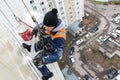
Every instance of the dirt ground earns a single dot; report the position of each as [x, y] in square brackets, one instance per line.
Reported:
[96, 57]
[64, 61]
[88, 21]
[93, 56]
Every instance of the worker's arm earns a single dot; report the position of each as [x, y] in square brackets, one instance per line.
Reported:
[58, 45]
[35, 29]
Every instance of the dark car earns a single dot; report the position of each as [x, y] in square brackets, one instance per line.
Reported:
[72, 49]
[87, 77]
[118, 28]
[93, 29]
[112, 73]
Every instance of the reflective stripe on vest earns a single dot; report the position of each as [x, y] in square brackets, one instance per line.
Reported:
[61, 33]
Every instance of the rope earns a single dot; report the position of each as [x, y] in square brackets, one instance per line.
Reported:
[19, 20]
[16, 18]
[33, 18]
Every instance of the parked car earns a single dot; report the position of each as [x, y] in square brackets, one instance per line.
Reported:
[79, 78]
[78, 42]
[117, 77]
[118, 31]
[88, 36]
[112, 73]
[112, 34]
[93, 29]
[72, 49]
[118, 28]
[102, 38]
[72, 59]
[87, 77]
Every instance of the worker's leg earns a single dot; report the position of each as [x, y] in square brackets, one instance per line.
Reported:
[26, 46]
[53, 57]
[45, 72]
[37, 46]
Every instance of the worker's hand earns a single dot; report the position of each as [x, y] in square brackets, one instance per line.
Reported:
[34, 32]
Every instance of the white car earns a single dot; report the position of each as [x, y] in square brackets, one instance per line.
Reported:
[117, 30]
[117, 77]
[102, 38]
[112, 34]
[88, 36]
[78, 42]
[72, 59]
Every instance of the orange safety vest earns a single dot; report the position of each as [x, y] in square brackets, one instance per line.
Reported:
[60, 34]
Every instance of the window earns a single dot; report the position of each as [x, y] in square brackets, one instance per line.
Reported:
[44, 9]
[42, 3]
[63, 17]
[77, 3]
[69, 7]
[61, 8]
[31, 1]
[34, 8]
[50, 4]
[62, 13]
[60, 2]
[70, 12]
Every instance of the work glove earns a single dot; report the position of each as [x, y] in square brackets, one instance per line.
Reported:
[38, 59]
[35, 30]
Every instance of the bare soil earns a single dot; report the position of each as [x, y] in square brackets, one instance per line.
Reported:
[97, 57]
[64, 61]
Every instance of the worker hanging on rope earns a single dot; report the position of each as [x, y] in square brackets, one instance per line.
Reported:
[53, 43]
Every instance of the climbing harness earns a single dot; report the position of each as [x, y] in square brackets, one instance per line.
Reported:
[47, 48]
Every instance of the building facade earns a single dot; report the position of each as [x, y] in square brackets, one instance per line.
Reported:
[69, 11]
[74, 10]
